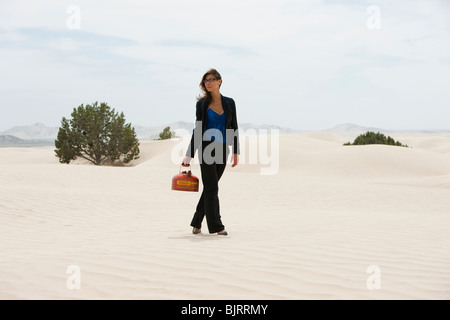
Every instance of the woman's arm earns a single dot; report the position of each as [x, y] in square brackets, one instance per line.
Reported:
[234, 125]
[196, 135]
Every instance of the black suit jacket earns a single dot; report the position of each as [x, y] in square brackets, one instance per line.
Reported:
[232, 134]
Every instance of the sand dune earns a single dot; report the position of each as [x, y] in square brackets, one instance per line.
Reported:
[310, 231]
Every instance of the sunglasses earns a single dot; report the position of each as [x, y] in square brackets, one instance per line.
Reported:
[210, 80]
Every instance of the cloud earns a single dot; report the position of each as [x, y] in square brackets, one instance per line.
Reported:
[287, 62]
[181, 43]
[56, 42]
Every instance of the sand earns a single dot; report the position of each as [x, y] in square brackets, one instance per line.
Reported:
[316, 229]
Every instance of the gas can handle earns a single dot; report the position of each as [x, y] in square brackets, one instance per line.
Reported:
[189, 173]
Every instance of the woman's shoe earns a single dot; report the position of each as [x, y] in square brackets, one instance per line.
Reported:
[224, 233]
[196, 231]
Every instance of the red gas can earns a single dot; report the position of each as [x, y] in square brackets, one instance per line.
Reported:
[185, 181]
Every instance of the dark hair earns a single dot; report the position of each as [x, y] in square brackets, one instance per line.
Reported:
[206, 94]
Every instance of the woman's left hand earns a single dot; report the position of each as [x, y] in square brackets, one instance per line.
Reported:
[235, 160]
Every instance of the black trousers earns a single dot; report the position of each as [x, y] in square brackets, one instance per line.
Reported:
[212, 164]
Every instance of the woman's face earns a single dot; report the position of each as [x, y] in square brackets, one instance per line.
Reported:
[212, 83]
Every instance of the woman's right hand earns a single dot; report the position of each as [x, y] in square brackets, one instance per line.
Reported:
[186, 161]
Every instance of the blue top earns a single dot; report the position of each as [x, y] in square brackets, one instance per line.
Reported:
[215, 126]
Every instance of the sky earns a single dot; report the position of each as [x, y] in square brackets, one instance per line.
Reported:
[305, 65]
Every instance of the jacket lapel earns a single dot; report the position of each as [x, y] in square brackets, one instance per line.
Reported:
[204, 109]
[227, 109]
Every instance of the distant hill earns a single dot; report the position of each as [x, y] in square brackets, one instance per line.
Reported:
[349, 129]
[353, 130]
[9, 140]
[151, 133]
[181, 128]
[244, 127]
[39, 131]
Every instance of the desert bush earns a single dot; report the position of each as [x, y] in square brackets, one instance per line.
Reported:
[374, 138]
[166, 134]
[98, 134]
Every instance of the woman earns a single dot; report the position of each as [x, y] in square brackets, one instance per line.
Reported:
[215, 129]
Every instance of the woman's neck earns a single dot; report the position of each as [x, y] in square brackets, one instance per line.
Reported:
[215, 96]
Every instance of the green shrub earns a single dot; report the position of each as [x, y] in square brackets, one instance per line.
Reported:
[375, 138]
[98, 134]
[166, 134]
